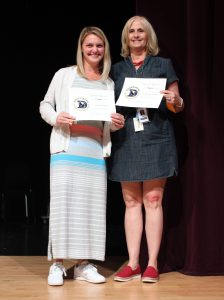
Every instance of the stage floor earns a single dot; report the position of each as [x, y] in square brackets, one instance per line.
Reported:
[25, 277]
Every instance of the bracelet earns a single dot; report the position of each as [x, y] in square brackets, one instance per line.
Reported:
[181, 102]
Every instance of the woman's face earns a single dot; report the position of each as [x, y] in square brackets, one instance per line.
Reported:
[93, 49]
[137, 36]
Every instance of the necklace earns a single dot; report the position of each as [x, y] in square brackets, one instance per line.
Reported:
[138, 64]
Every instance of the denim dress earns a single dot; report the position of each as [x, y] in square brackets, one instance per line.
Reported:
[150, 153]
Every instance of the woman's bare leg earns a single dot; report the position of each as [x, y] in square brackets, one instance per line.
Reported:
[133, 222]
[152, 199]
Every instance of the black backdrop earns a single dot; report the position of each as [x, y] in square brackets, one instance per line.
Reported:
[40, 37]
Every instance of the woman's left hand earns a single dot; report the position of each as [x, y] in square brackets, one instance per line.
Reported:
[118, 120]
[173, 100]
[171, 97]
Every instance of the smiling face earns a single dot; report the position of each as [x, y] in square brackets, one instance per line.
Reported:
[137, 37]
[93, 49]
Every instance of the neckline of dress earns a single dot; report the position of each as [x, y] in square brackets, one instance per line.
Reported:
[138, 64]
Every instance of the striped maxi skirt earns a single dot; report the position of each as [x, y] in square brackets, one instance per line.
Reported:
[78, 182]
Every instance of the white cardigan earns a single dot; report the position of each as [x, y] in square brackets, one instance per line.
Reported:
[56, 101]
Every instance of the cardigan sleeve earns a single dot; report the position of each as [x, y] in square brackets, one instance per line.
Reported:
[47, 105]
[106, 140]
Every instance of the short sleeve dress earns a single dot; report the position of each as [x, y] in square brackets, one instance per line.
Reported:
[150, 153]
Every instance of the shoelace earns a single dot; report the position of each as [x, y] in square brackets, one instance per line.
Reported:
[61, 267]
[92, 266]
[88, 266]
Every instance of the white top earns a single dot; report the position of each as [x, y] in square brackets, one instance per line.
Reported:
[56, 101]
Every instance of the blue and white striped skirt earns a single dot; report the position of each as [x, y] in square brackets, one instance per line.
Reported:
[78, 182]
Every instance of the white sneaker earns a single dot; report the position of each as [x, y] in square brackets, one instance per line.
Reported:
[56, 272]
[88, 272]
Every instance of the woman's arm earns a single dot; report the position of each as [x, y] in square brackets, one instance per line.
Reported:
[173, 100]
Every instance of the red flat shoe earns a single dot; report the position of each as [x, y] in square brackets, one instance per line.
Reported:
[127, 274]
[150, 275]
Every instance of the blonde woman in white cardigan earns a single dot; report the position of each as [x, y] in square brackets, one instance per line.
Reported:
[78, 180]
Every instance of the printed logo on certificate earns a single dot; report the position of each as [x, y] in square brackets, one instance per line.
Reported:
[80, 104]
[132, 92]
[89, 104]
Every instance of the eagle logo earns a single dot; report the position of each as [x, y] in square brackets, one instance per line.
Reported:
[132, 92]
[81, 103]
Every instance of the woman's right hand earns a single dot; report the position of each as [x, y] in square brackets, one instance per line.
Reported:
[118, 120]
[65, 118]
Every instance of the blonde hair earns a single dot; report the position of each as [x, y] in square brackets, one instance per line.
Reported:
[152, 47]
[105, 63]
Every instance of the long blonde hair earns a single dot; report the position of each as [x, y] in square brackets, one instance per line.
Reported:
[152, 47]
[105, 63]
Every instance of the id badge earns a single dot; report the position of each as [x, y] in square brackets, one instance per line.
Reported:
[142, 115]
[138, 125]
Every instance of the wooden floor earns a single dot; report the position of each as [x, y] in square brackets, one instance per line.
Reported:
[25, 277]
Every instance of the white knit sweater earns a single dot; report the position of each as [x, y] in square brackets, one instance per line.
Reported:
[56, 101]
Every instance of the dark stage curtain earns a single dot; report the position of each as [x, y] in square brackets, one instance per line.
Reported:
[191, 33]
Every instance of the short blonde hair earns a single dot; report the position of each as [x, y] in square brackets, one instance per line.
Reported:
[105, 64]
[152, 47]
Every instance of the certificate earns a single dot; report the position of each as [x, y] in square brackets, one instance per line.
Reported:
[142, 92]
[90, 104]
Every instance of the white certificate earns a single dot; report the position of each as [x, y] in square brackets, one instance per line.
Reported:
[142, 92]
[90, 104]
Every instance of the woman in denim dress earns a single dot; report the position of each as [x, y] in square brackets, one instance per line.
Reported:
[144, 150]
